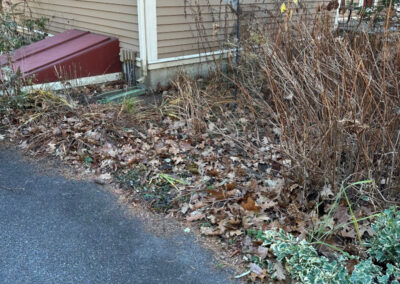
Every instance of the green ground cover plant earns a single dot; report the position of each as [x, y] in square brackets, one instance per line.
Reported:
[305, 264]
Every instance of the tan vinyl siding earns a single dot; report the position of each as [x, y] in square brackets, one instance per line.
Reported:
[116, 18]
[178, 29]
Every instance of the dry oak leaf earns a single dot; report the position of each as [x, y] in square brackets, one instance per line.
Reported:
[342, 215]
[348, 233]
[104, 179]
[199, 205]
[209, 231]
[266, 203]
[241, 172]
[326, 192]
[235, 233]
[218, 195]
[250, 205]
[367, 229]
[212, 219]
[280, 271]
[255, 268]
[185, 146]
[262, 252]
[213, 173]
[195, 217]
[185, 208]
[246, 222]
[351, 263]
[257, 272]
[294, 211]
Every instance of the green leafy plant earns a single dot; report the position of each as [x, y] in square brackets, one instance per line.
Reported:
[130, 105]
[385, 247]
[170, 180]
[302, 260]
[16, 30]
[365, 272]
[88, 161]
[306, 265]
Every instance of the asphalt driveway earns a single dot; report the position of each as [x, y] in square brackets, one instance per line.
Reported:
[57, 230]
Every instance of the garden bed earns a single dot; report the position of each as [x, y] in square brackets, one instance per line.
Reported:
[305, 158]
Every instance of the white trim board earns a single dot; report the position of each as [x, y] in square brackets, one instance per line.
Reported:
[142, 35]
[187, 59]
[56, 86]
[151, 30]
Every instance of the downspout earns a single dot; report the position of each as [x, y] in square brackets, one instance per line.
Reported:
[142, 38]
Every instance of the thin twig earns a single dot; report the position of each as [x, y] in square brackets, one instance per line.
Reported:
[11, 188]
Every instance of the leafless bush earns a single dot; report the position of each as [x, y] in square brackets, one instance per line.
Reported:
[334, 101]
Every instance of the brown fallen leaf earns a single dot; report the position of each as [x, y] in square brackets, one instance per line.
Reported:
[265, 203]
[326, 192]
[213, 173]
[230, 186]
[103, 179]
[262, 252]
[199, 205]
[235, 233]
[280, 272]
[212, 219]
[367, 229]
[246, 222]
[351, 263]
[218, 195]
[250, 205]
[193, 168]
[119, 191]
[255, 268]
[348, 233]
[241, 172]
[207, 231]
[195, 217]
[185, 146]
[342, 215]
